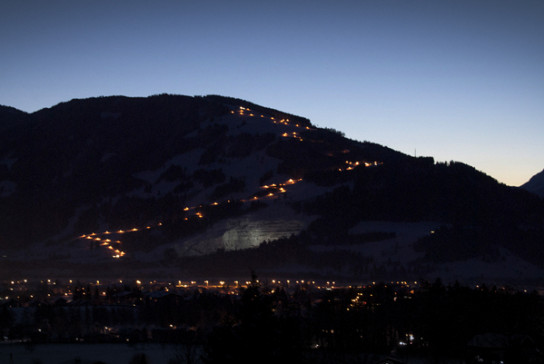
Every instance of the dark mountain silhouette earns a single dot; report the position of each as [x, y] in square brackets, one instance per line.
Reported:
[197, 186]
[535, 184]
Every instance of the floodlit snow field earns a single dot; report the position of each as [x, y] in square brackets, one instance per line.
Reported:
[86, 353]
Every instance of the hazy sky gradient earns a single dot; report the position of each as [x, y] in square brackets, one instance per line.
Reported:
[456, 80]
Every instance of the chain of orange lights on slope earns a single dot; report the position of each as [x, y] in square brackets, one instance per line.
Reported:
[274, 190]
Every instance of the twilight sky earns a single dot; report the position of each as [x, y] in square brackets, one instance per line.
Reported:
[453, 79]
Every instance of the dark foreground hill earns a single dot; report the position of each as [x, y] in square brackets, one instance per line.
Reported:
[176, 186]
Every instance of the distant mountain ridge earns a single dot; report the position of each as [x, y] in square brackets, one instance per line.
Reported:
[173, 185]
[535, 184]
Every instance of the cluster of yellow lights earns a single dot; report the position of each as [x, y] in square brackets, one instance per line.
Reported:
[358, 300]
[274, 190]
[113, 246]
[246, 111]
[293, 135]
[351, 165]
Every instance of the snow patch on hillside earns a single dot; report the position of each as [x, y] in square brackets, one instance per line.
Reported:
[249, 169]
[250, 125]
[248, 231]
[188, 160]
[401, 247]
[507, 268]
[388, 255]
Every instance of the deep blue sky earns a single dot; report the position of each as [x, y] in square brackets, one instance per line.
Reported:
[456, 80]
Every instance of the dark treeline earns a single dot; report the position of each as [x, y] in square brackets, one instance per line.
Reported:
[435, 323]
[269, 322]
